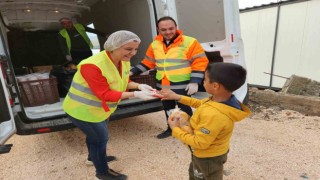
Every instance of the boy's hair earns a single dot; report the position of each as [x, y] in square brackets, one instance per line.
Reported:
[164, 18]
[231, 76]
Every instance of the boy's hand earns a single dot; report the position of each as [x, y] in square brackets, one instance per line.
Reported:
[184, 119]
[169, 95]
[173, 122]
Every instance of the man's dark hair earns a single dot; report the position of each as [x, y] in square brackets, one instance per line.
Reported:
[231, 76]
[164, 18]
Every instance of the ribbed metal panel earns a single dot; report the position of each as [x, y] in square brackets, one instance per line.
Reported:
[244, 4]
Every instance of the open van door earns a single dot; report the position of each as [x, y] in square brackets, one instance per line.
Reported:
[7, 125]
[216, 25]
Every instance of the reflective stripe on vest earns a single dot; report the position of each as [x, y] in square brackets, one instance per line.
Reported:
[81, 30]
[158, 85]
[184, 65]
[87, 101]
[90, 102]
[174, 64]
[197, 56]
[80, 101]
[150, 59]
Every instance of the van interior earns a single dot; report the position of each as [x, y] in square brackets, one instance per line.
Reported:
[31, 30]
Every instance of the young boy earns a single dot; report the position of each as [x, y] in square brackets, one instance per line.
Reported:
[213, 120]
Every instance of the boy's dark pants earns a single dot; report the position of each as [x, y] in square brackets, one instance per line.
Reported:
[207, 168]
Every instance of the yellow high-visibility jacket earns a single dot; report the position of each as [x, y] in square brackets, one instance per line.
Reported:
[81, 103]
[81, 31]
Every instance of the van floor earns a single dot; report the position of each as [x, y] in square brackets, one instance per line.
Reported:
[271, 144]
[46, 110]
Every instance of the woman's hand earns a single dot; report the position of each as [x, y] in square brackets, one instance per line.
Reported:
[169, 95]
[145, 95]
[145, 87]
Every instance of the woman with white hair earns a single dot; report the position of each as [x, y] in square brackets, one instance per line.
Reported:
[97, 87]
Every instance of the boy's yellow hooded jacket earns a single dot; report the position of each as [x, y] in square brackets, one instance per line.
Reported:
[213, 125]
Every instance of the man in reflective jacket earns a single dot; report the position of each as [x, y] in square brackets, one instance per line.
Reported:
[180, 62]
[74, 41]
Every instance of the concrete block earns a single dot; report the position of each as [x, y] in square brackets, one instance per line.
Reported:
[301, 86]
[307, 105]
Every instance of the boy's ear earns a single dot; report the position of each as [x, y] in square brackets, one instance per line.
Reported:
[215, 85]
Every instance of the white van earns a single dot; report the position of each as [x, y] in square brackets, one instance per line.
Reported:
[28, 38]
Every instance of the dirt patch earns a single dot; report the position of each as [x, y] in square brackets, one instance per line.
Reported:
[270, 144]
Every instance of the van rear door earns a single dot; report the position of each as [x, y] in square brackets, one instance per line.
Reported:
[7, 125]
[215, 24]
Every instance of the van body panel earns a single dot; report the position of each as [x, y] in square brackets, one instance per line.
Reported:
[47, 125]
[7, 124]
[216, 33]
[202, 21]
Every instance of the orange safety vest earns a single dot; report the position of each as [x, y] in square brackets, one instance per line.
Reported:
[174, 64]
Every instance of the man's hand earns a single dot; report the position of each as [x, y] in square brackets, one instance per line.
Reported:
[145, 87]
[145, 95]
[68, 58]
[192, 88]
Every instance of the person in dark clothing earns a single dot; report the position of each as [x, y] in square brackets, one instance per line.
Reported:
[74, 42]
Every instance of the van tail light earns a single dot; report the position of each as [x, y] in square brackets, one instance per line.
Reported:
[232, 38]
[11, 101]
[43, 130]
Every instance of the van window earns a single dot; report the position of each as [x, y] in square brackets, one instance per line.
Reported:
[205, 22]
[94, 39]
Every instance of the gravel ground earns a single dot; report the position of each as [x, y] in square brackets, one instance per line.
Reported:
[271, 144]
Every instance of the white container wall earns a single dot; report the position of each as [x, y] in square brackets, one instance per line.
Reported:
[297, 44]
[258, 29]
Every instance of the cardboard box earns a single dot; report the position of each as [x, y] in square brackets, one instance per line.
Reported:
[41, 69]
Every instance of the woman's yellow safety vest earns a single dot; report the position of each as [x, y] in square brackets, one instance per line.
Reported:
[175, 65]
[81, 103]
[81, 31]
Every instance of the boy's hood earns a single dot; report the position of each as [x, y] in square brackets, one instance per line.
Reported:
[233, 113]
